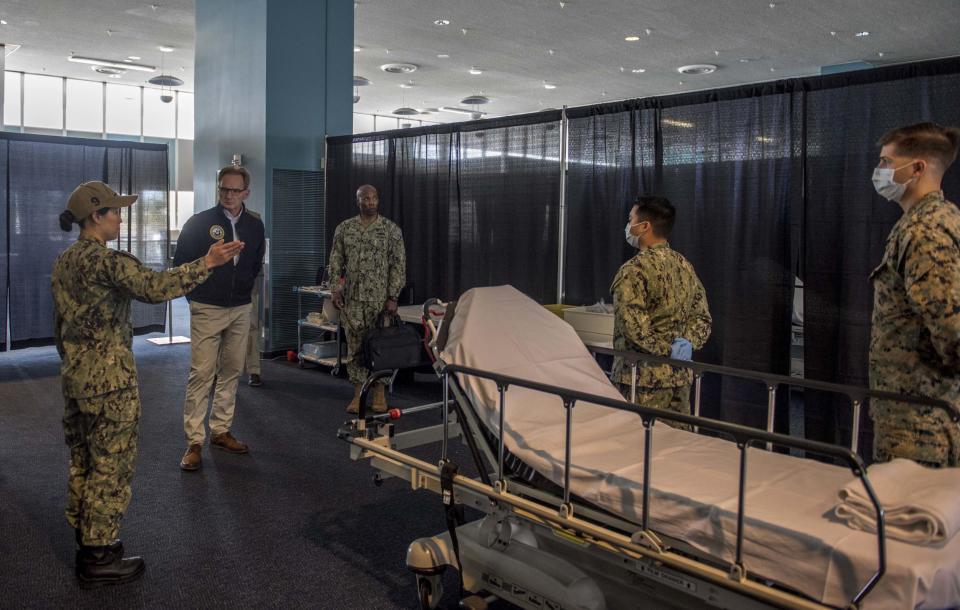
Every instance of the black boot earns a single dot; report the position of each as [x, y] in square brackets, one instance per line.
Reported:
[98, 566]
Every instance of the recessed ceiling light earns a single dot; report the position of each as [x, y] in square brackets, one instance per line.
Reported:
[862, 34]
[744, 60]
[3, 22]
[551, 51]
[165, 49]
[632, 38]
[695, 69]
[399, 68]
[833, 32]
[357, 49]
[441, 22]
[475, 71]
[880, 54]
[133, 57]
[773, 69]
[443, 56]
[638, 70]
[547, 85]
[647, 31]
[107, 70]
[406, 85]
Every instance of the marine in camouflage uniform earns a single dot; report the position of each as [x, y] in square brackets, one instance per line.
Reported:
[915, 334]
[371, 259]
[92, 288]
[657, 298]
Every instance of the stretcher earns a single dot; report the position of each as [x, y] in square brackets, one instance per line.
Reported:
[592, 502]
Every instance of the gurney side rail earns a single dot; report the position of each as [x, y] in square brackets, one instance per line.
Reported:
[743, 436]
[856, 395]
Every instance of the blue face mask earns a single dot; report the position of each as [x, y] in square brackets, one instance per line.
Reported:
[632, 239]
[886, 186]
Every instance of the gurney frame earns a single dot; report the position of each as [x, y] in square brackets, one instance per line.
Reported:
[374, 438]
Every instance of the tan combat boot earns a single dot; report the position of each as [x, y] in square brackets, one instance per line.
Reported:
[354, 406]
[379, 398]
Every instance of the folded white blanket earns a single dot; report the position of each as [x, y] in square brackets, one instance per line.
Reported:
[920, 503]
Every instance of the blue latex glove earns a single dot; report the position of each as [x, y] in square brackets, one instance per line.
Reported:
[681, 349]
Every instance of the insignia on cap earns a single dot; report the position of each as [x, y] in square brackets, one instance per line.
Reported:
[95, 200]
[216, 232]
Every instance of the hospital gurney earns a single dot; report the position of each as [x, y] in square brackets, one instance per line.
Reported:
[592, 503]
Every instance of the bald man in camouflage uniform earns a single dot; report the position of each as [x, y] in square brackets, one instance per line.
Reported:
[660, 308]
[915, 333]
[92, 287]
[368, 254]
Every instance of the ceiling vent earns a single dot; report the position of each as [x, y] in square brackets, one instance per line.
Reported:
[696, 69]
[399, 68]
[106, 70]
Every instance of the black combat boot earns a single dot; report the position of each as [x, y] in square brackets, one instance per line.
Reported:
[99, 566]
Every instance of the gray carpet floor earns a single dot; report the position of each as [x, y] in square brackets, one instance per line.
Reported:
[294, 524]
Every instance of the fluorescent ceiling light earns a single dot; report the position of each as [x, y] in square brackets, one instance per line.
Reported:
[456, 110]
[632, 38]
[677, 123]
[862, 34]
[549, 86]
[475, 71]
[165, 49]
[638, 70]
[443, 55]
[111, 64]
[441, 22]
[133, 57]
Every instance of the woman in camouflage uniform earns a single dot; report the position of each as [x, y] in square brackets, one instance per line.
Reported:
[92, 289]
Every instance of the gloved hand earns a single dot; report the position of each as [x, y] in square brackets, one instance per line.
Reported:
[681, 349]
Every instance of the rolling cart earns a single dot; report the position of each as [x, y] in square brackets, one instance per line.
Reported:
[326, 351]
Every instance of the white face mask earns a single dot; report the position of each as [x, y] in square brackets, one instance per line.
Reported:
[886, 186]
[632, 239]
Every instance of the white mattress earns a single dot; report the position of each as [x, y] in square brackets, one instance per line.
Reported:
[790, 536]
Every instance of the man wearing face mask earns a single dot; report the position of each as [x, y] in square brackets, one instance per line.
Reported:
[915, 331]
[660, 308]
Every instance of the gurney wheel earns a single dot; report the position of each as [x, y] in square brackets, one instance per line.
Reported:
[430, 591]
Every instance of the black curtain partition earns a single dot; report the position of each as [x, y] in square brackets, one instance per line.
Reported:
[770, 181]
[38, 174]
[477, 202]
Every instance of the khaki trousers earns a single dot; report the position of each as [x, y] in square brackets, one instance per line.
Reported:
[218, 337]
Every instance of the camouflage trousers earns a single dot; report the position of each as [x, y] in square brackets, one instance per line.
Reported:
[356, 318]
[670, 399]
[927, 437]
[102, 434]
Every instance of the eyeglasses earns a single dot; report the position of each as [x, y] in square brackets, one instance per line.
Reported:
[229, 191]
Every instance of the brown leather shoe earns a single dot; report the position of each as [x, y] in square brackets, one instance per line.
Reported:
[226, 442]
[192, 458]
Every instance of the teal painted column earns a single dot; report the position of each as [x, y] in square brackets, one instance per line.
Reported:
[272, 80]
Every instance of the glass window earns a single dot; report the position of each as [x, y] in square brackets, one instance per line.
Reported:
[184, 115]
[363, 123]
[11, 98]
[386, 123]
[84, 106]
[158, 116]
[42, 101]
[123, 109]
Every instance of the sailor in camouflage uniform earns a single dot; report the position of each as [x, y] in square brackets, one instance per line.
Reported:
[368, 253]
[92, 288]
[660, 308]
[915, 332]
